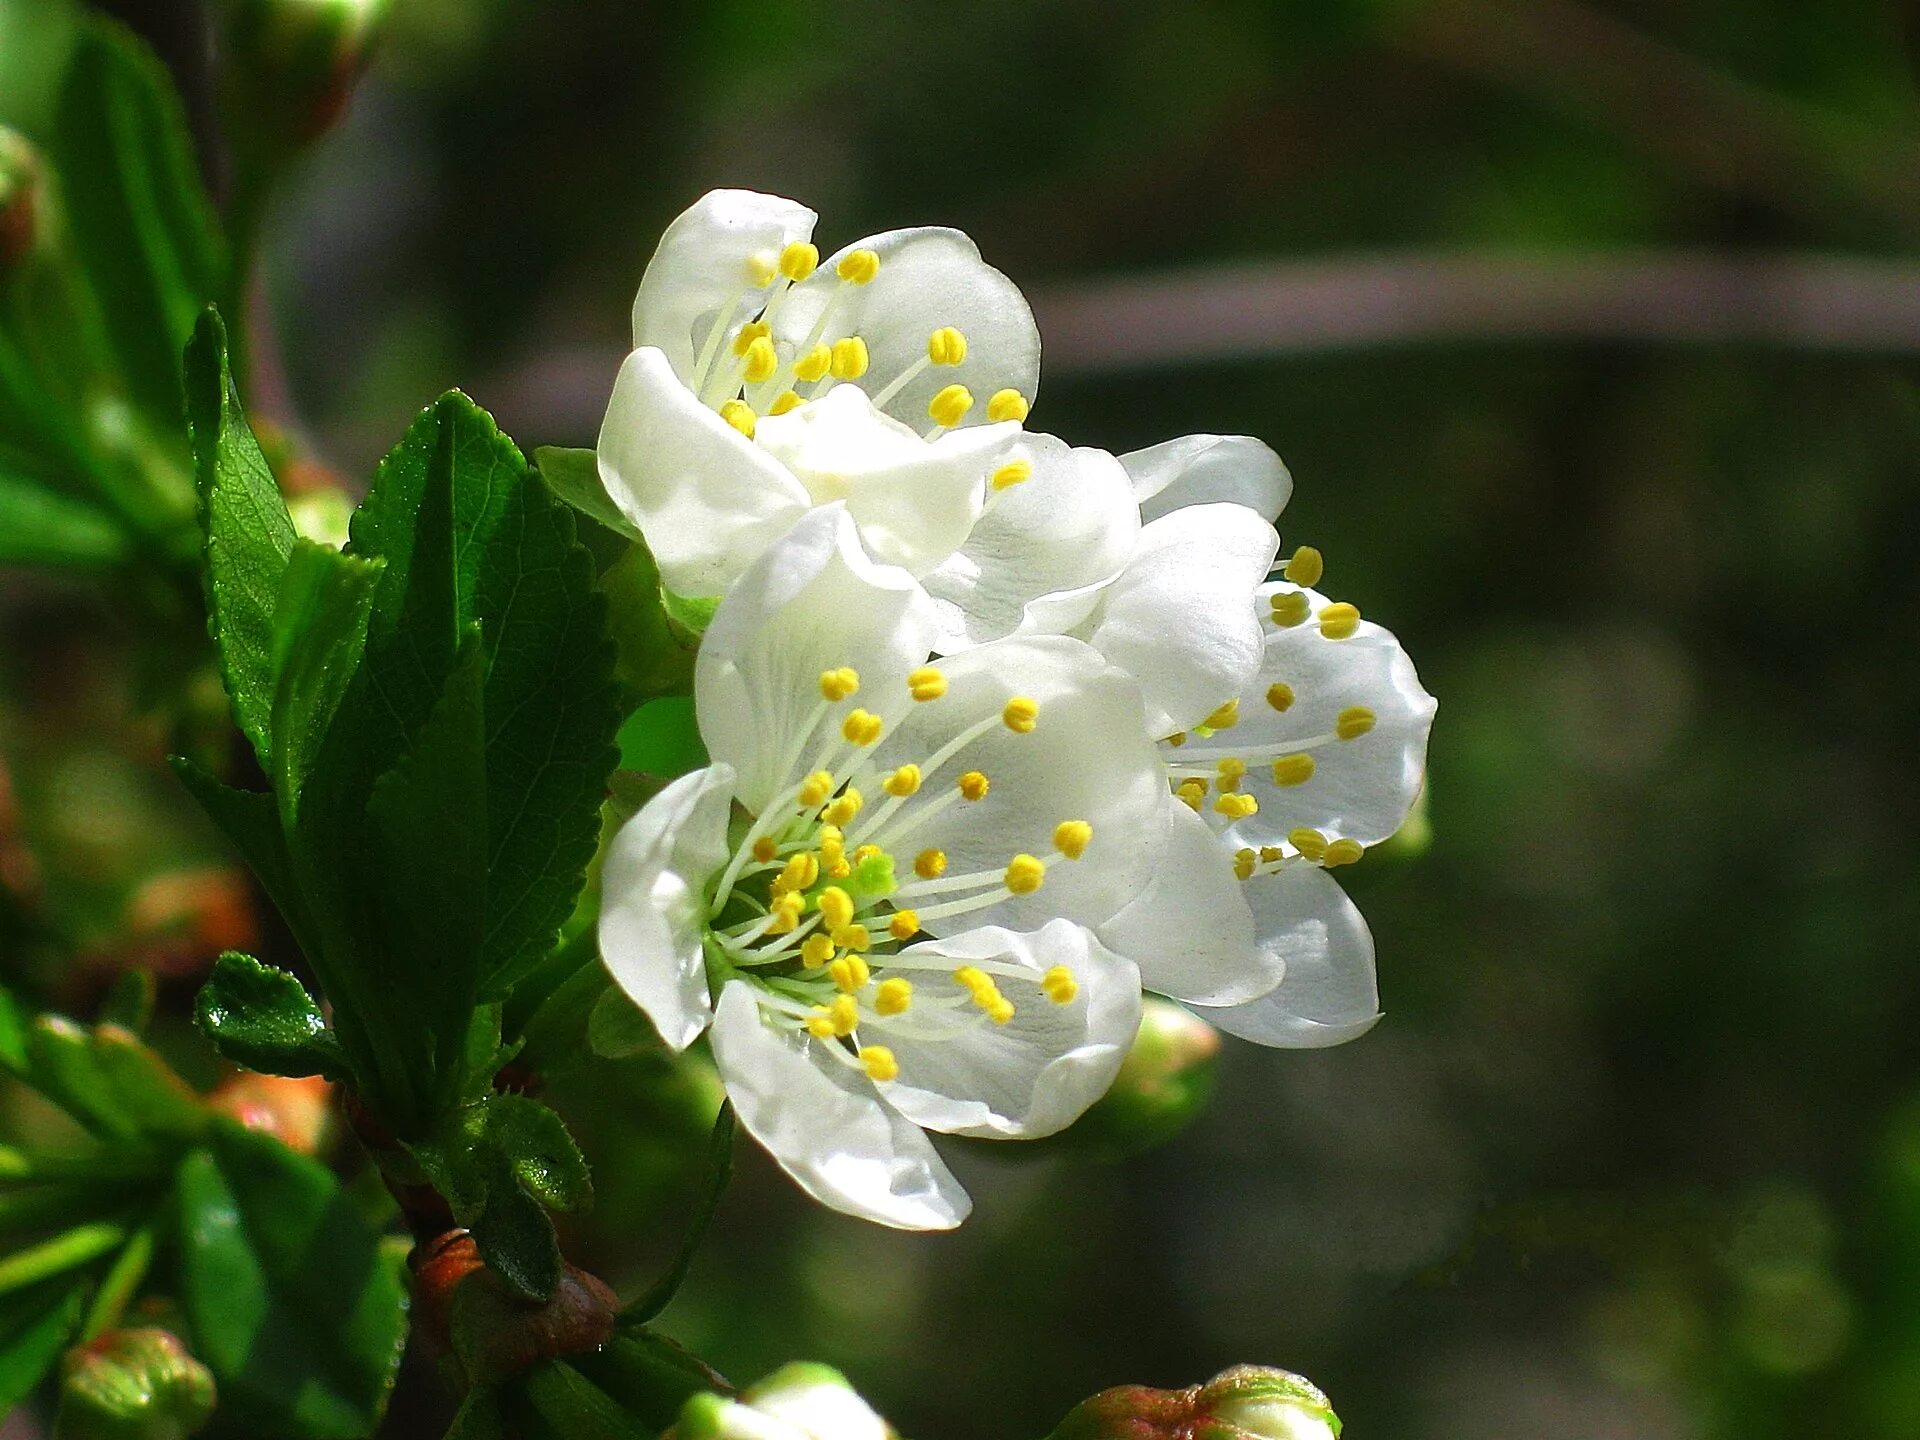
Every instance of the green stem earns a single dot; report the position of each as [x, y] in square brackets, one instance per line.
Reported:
[46, 1205]
[122, 1281]
[18, 1164]
[719, 1172]
[79, 1246]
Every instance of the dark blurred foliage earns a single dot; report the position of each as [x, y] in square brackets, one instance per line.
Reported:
[1636, 1151]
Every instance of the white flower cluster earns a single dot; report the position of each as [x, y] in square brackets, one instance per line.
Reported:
[1002, 730]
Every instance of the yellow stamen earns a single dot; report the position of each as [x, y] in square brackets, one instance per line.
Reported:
[753, 330]
[1236, 806]
[852, 937]
[833, 849]
[836, 907]
[798, 873]
[904, 925]
[1353, 722]
[1021, 715]
[815, 789]
[1271, 853]
[1014, 472]
[1006, 405]
[739, 415]
[858, 267]
[902, 782]
[761, 268]
[973, 785]
[1059, 985]
[950, 406]
[849, 973]
[837, 685]
[845, 1013]
[844, 807]
[820, 1024]
[894, 997]
[1243, 864]
[1000, 1011]
[849, 358]
[1225, 718]
[1342, 852]
[816, 950]
[1071, 838]
[783, 402]
[1293, 770]
[926, 683]
[930, 864]
[814, 364]
[863, 853]
[1177, 739]
[785, 915]
[1310, 843]
[762, 360]
[799, 260]
[1339, 620]
[1306, 567]
[1289, 608]
[1192, 792]
[1025, 874]
[1280, 696]
[1230, 772]
[862, 727]
[946, 346]
[765, 848]
[879, 1062]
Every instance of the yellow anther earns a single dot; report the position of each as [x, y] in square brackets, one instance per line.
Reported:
[1177, 739]
[879, 1063]
[765, 848]
[973, 785]
[762, 360]
[1243, 864]
[838, 684]
[849, 973]
[1006, 405]
[864, 853]
[858, 267]
[814, 364]
[1342, 852]
[904, 925]
[1306, 567]
[1020, 715]
[1237, 806]
[1280, 696]
[843, 807]
[1310, 843]
[862, 727]
[1225, 718]
[1025, 874]
[761, 268]
[852, 937]
[833, 846]
[836, 907]
[799, 260]
[816, 950]
[926, 683]
[815, 789]
[849, 358]
[1059, 985]
[798, 873]
[1229, 773]
[783, 402]
[1192, 792]
[946, 346]
[950, 405]
[785, 914]
[1071, 838]
[902, 782]
[1271, 853]
[1289, 608]
[1292, 770]
[930, 864]
[820, 1024]
[1353, 722]
[845, 1013]
[1339, 620]
[753, 330]
[739, 415]
[1014, 472]
[894, 997]
[976, 982]
[999, 1010]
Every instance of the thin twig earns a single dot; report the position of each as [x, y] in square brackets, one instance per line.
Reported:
[718, 1172]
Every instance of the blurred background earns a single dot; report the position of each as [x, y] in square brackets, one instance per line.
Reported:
[1590, 332]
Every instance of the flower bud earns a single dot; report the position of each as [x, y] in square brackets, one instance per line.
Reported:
[799, 1401]
[133, 1385]
[1248, 1402]
[1162, 1087]
[20, 199]
[294, 1111]
[290, 64]
[493, 1333]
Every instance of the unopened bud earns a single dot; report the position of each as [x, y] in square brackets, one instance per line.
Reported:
[1248, 1402]
[799, 1401]
[20, 198]
[295, 1111]
[492, 1332]
[133, 1385]
[290, 64]
[1162, 1087]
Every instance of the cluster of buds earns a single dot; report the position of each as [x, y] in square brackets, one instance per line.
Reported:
[136, 1384]
[1248, 1402]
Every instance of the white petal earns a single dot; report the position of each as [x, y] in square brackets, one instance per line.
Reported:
[929, 277]
[1328, 994]
[653, 905]
[1036, 560]
[1181, 617]
[1086, 759]
[814, 601]
[826, 1124]
[705, 497]
[1190, 930]
[706, 260]
[818, 1403]
[1361, 789]
[914, 500]
[1037, 1073]
[1203, 469]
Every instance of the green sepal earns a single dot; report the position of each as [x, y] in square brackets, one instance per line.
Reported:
[650, 1375]
[574, 476]
[662, 738]
[264, 1019]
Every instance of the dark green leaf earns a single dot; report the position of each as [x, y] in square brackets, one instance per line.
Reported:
[554, 1401]
[320, 629]
[35, 1326]
[138, 214]
[662, 738]
[39, 526]
[249, 534]
[13, 1033]
[160, 1102]
[264, 1019]
[251, 821]
[291, 1301]
[574, 475]
[129, 1002]
[62, 1066]
[655, 653]
[649, 1375]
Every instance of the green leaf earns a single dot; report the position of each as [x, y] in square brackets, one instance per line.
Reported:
[650, 1375]
[574, 475]
[518, 570]
[554, 1401]
[291, 1301]
[138, 214]
[320, 630]
[264, 1019]
[655, 652]
[13, 1033]
[39, 526]
[251, 822]
[250, 537]
[35, 1327]
[110, 1082]
[662, 738]
[695, 612]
